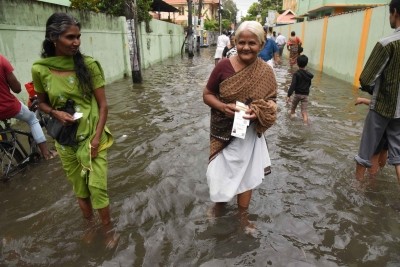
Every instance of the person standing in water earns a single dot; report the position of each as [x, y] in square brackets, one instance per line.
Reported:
[65, 74]
[237, 166]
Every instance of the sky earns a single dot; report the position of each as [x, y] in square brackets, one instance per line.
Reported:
[243, 5]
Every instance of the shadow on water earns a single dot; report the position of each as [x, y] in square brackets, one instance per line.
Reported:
[308, 212]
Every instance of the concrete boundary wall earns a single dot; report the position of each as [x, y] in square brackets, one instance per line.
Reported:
[22, 30]
[104, 37]
[164, 41]
[340, 45]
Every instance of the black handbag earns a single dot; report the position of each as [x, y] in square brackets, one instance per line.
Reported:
[64, 135]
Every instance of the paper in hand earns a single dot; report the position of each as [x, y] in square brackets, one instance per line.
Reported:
[77, 115]
[239, 123]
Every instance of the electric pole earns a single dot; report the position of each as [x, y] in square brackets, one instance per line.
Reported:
[219, 17]
[135, 56]
[190, 30]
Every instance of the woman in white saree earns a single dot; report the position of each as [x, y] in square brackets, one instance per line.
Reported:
[237, 166]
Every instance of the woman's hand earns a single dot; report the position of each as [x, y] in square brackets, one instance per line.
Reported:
[229, 110]
[64, 117]
[94, 147]
[250, 115]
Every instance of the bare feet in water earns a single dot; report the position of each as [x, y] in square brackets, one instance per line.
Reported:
[217, 210]
[249, 228]
[112, 239]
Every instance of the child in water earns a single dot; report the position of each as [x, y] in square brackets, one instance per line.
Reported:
[300, 86]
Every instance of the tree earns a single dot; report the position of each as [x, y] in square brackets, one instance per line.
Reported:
[116, 8]
[262, 7]
[210, 25]
[252, 12]
[226, 24]
[229, 10]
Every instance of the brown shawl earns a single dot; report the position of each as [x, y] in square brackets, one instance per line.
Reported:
[256, 85]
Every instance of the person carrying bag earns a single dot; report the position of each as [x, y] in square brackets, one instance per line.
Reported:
[64, 134]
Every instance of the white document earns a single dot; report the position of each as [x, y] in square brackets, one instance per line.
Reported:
[239, 123]
[77, 115]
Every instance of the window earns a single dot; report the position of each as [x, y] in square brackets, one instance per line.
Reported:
[181, 10]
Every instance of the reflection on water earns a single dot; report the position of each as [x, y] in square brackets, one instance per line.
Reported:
[308, 212]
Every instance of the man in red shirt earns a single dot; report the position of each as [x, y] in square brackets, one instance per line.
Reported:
[11, 107]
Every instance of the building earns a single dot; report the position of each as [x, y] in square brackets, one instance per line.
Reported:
[289, 4]
[287, 17]
[209, 11]
[320, 8]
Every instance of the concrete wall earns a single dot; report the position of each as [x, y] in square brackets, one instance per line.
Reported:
[340, 45]
[305, 5]
[164, 41]
[22, 30]
[58, 2]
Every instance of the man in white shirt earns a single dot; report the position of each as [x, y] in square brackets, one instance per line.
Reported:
[222, 41]
[281, 42]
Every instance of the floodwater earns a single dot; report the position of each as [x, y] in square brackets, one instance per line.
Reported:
[308, 212]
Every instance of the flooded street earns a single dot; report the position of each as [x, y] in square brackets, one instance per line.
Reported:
[308, 212]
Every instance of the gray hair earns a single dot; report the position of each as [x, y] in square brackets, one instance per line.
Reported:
[56, 25]
[254, 27]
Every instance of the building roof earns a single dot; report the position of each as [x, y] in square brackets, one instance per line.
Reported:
[330, 6]
[161, 6]
[286, 17]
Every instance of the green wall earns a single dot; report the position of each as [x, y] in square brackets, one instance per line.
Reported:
[313, 41]
[104, 37]
[340, 56]
[22, 30]
[342, 45]
[163, 42]
[58, 2]
[303, 6]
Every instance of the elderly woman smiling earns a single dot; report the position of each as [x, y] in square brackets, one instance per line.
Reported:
[237, 166]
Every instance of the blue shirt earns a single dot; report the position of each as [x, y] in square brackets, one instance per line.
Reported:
[270, 48]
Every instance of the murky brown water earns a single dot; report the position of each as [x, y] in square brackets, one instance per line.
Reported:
[308, 212]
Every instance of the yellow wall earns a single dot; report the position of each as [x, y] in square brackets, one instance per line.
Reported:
[289, 4]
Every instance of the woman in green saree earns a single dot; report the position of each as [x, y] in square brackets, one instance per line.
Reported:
[64, 73]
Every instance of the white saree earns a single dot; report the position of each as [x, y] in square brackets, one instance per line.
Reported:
[239, 167]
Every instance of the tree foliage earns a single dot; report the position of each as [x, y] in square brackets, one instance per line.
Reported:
[115, 7]
[229, 10]
[261, 8]
[211, 25]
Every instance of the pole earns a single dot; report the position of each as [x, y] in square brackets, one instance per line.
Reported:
[190, 30]
[135, 57]
[219, 17]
